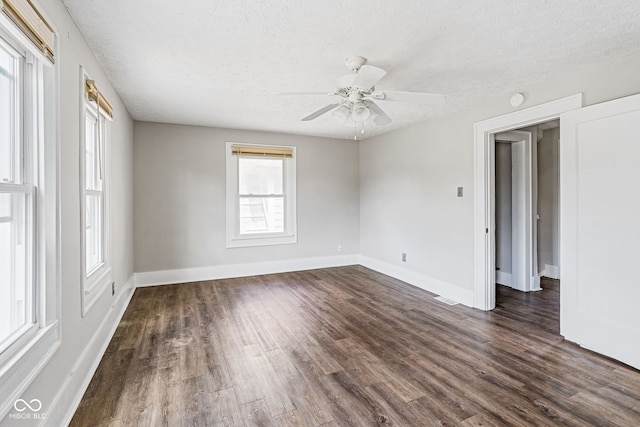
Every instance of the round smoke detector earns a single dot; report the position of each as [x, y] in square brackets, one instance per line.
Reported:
[517, 99]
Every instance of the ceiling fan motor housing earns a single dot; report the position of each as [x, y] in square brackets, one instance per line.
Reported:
[355, 62]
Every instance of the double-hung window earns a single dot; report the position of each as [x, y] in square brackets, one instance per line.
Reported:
[261, 206]
[17, 192]
[29, 208]
[96, 262]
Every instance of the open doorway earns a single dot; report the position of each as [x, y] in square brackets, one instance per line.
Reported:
[484, 211]
[526, 199]
[526, 216]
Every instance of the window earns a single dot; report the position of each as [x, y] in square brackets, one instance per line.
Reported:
[29, 228]
[16, 203]
[261, 206]
[96, 268]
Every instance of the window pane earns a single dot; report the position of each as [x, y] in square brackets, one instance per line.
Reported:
[93, 232]
[260, 176]
[15, 298]
[90, 169]
[9, 108]
[261, 215]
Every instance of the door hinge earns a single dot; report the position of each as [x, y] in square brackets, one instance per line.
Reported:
[486, 231]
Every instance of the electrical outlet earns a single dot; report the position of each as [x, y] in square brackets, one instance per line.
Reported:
[404, 257]
[459, 191]
[113, 288]
[339, 248]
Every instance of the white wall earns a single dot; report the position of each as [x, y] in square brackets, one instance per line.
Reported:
[408, 179]
[180, 208]
[56, 385]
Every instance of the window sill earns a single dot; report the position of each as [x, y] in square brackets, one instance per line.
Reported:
[94, 286]
[20, 370]
[246, 242]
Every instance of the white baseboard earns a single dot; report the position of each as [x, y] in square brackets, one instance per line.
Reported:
[551, 271]
[67, 400]
[438, 287]
[503, 278]
[166, 277]
[536, 283]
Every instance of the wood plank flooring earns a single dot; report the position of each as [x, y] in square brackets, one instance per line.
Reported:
[348, 346]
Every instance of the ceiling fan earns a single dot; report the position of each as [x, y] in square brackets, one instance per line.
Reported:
[358, 93]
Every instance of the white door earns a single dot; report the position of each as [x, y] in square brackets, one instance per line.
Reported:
[600, 228]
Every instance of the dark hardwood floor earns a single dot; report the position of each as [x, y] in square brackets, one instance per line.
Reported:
[348, 346]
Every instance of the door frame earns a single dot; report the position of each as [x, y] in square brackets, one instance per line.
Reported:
[484, 215]
[524, 202]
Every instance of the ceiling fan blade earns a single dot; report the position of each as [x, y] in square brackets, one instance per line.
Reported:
[320, 112]
[381, 117]
[413, 97]
[368, 76]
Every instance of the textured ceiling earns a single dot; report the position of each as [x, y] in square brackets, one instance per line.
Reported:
[222, 63]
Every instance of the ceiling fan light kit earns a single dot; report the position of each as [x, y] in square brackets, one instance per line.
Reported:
[360, 111]
[342, 113]
[358, 92]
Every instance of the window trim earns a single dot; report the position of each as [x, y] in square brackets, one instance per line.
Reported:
[22, 361]
[290, 234]
[97, 281]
